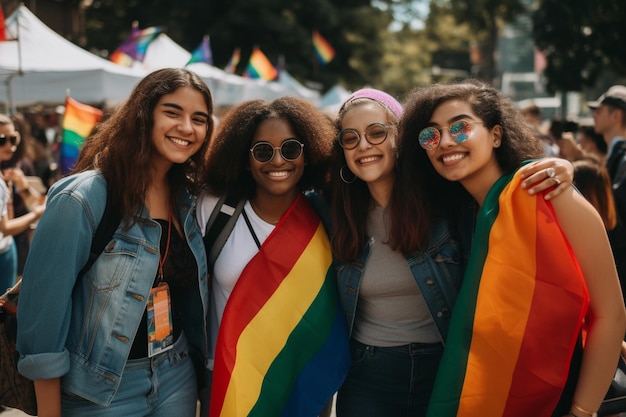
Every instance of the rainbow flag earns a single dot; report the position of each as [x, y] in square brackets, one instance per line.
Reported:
[3, 32]
[78, 122]
[135, 46]
[282, 348]
[322, 49]
[202, 53]
[260, 67]
[518, 315]
[234, 61]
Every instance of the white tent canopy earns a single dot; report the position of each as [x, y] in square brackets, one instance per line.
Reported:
[41, 66]
[227, 88]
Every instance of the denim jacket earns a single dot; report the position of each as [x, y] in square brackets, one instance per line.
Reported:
[82, 330]
[437, 271]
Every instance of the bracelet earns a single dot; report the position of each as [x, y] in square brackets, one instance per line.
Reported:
[579, 408]
[572, 414]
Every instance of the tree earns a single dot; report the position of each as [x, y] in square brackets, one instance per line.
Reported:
[581, 39]
[484, 18]
[281, 28]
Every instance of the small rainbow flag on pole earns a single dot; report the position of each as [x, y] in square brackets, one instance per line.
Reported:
[78, 121]
[517, 294]
[322, 49]
[259, 66]
[136, 44]
[234, 61]
[202, 53]
[282, 348]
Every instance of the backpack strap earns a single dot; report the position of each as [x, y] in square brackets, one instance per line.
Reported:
[106, 228]
[220, 225]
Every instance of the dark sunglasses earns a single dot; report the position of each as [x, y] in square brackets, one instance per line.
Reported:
[375, 134]
[290, 150]
[13, 139]
[430, 137]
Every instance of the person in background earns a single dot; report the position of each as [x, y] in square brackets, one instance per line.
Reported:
[273, 291]
[534, 118]
[592, 144]
[538, 272]
[592, 180]
[92, 345]
[400, 261]
[10, 223]
[609, 116]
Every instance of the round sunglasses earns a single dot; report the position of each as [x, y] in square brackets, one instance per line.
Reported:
[375, 134]
[290, 150]
[430, 137]
[13, 139]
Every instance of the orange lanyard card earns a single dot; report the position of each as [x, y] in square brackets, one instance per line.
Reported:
[160, 328]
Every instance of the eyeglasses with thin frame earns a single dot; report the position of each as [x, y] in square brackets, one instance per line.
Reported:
[375, 134]
[290, 150]
[13, 139]
[430, 137]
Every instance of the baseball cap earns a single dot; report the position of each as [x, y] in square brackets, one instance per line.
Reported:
[614, 96]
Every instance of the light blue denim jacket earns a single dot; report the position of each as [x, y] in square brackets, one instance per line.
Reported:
[438, 272]
[82, 331]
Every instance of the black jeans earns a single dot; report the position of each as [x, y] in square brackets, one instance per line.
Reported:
[389, 381]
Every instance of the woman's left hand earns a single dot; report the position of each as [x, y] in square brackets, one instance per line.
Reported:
[556, 173]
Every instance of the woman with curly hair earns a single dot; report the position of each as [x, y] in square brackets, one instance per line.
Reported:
[538, 322]
[277, 337]
[90, 344]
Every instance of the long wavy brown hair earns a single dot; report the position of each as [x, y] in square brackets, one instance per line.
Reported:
[121, 146]
[352, 202]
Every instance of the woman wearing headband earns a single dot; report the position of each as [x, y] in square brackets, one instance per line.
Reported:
[398, 274]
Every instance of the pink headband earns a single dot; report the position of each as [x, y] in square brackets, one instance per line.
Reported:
[378, 96]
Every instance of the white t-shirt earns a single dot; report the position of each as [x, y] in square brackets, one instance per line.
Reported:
[235, 255]
[5, 241]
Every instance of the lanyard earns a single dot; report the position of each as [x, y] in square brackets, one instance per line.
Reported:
[167, 245]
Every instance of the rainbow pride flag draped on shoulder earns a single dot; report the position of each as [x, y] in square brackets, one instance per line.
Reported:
[518, 315]
[282, 348]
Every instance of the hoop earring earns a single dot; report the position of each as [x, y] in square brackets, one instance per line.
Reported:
[343, 178]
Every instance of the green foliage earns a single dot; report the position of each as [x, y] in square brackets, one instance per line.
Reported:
[582, 39]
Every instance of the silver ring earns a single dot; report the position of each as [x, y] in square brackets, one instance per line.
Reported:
[550, 172]
[556, 180]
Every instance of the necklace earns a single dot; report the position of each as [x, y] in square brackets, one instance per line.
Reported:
[167, 245]
[258, 212]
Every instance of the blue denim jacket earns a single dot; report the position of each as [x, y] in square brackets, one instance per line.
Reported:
[438, 272]
[82, 331]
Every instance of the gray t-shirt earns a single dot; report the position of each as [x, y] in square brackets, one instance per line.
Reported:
[391, 310]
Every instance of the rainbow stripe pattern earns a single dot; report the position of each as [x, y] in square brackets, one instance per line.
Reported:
[234, 61]
[324, 52]
[259, 66]
[518, 316]
[282, 348]
[78, 121]
[202, 53]
[134, 48]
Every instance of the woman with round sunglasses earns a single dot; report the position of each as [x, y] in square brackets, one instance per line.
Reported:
[539, 318]
[398, 271]
[10, 225]
[273, 292]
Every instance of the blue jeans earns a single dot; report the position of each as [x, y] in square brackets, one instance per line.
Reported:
[162, 386]
[8, 267]
[389, 381]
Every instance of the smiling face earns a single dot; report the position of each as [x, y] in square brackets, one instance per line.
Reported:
[472, 161]
[180, 126]
[278, 177]
[374, 164]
